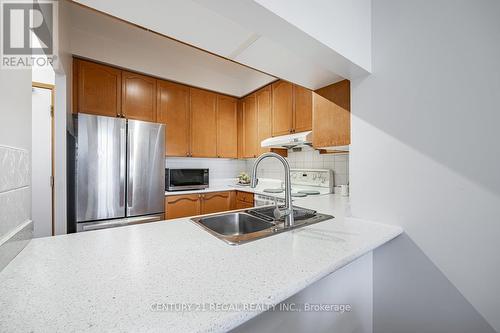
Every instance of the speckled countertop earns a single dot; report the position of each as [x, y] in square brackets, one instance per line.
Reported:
[110, 280]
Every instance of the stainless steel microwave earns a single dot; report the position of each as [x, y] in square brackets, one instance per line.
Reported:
[186, 179]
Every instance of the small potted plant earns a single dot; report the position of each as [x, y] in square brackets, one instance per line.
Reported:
[243, 178]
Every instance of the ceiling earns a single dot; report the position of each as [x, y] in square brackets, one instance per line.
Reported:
[243, 31]
[106, 39]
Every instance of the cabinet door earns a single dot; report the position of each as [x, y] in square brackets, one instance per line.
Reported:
[250, 135]
[173, 111]
[203, 123]
[264, 117]
[215, 202]
[99, 89]
[282, 108]
[240, 129]
[245, 197]
[243, 205]
[182, 205]
[331, 123]
[302, 109]
[138, 97]
[227, 137]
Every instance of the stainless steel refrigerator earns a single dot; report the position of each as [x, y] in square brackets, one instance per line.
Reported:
[119, 172]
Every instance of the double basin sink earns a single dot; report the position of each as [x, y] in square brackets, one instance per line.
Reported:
[251, 224]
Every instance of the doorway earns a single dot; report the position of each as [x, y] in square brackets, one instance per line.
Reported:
[42, 155]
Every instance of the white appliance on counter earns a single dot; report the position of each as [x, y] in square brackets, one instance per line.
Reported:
[305, 182]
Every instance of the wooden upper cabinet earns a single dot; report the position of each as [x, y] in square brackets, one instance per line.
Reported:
[250, 133]
[173, 111]
[227, 127]
[240, 128]
[74, 87]
[282, 112]
[338, 93]
[264, 117]
[182, 205]
[203, 123]
[331, 123]
[215, 202]
[138, 96]
[302, 109]
[99, 89]
[291, 108]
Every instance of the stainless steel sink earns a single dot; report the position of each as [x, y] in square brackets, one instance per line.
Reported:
[234, 224]
[251, 224]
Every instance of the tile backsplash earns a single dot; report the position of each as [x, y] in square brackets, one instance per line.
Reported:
[306, 159]
[219, 167]
[269, 168]
[16, 227]
[15, 192]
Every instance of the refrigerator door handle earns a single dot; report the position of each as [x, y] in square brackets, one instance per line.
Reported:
[130, 167]
[123, 163]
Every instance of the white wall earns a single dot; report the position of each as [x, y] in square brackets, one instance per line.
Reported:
[41, 200]
[15, 102]
[351, 285]
[41, 157]
[62, 113]
[44, 74]
[328, 21]
[425, 153]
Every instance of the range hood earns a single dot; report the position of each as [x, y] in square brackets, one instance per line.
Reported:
[288, 141]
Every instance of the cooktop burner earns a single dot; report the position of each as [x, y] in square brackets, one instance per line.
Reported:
[274, 190]
[308, 192]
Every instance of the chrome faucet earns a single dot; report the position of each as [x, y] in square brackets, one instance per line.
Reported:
[278, 213]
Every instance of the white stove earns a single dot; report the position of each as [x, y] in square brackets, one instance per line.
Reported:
[305, 182]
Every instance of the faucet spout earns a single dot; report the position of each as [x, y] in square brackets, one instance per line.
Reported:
[288, 213]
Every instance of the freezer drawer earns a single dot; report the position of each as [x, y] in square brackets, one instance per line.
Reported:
[89, 226]
[100, 168]
[146, 168]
